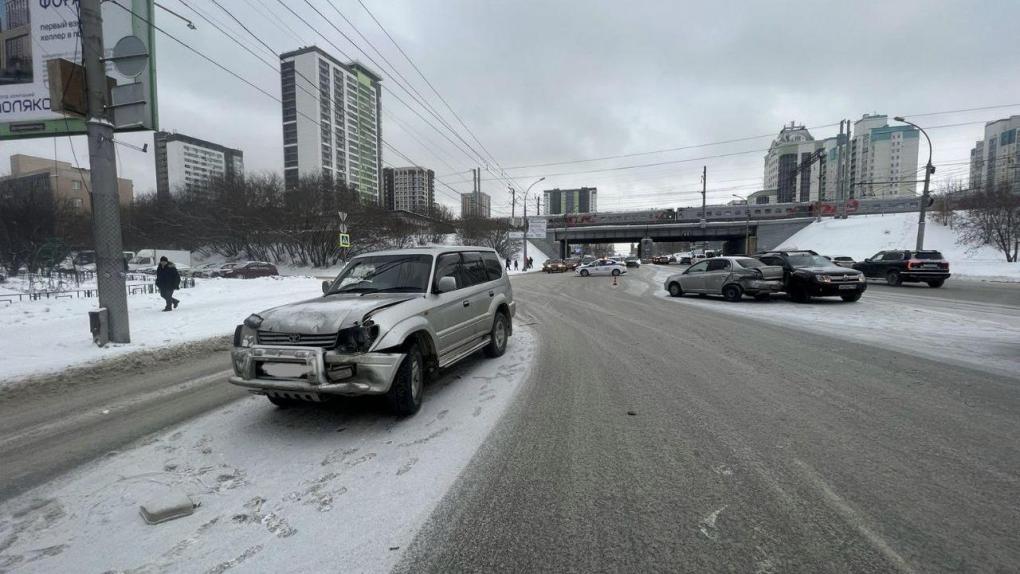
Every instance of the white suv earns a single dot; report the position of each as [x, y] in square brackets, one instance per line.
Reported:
[387, 321]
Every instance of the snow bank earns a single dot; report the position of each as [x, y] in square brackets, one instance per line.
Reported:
[535, 253]
[49, 335]
[311, 489]
[862, 236]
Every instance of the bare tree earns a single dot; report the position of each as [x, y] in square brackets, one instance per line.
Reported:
[37, 230]
[992, 217]
[944, 199]
[494, 233]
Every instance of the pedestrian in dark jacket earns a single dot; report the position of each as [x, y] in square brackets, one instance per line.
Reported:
[515, 265]
[531, 262]
[507, 263]
[168, 280]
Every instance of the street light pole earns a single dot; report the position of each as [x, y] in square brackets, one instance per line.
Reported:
[525, 202]
[928, 170]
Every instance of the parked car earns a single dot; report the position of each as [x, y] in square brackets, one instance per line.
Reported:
[602, 267]
[212, 269]
[387, 322]
[731, 277]
[572, 263]
[807, 274]
[662, 259]
[554, 266]
[632, 262]
[843, 261]
[685, 260]
[250, 270]
[896, 267]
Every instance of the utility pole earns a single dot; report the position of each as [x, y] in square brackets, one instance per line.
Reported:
[110, 277]
[847, 184]
[704, 189]
[928, 170]
[513, 204]
[538, 205]
[821, 190]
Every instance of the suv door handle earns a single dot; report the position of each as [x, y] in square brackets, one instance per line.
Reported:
[467, 303]
[492, 293]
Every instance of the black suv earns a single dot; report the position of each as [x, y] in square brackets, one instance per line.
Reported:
[807, 274]
[927, 266]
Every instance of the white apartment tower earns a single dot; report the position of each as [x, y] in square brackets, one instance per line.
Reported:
[883, 158]
[332, 122]
[995, 160]
[787, 172]
[188, 164]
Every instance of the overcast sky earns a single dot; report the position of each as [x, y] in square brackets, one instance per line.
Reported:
[548, 81]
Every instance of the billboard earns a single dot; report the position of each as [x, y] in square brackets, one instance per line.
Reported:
[33, 32]
[536, 227]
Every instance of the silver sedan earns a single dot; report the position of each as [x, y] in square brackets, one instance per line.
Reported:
[731, 277]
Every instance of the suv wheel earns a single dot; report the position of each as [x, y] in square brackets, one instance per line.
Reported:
[732, 293]
[893, 278]
[675, 290]
[851, 298]
[584, 273]
[936, 283]
[408, 386]
[498, 336]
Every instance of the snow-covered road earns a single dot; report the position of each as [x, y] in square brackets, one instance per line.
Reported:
[971, 333]
[313, 489]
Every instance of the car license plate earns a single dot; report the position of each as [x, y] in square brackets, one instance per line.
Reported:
[286, 370]
[847, 287]
[930, 266]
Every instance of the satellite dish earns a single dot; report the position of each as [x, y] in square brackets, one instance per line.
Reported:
[130, 56]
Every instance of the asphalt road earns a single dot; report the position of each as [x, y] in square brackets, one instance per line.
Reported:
[52, 426]
[655, 436]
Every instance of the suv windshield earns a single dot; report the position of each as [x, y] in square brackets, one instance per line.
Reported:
[384, 273]
[806, 260]
[928, 255]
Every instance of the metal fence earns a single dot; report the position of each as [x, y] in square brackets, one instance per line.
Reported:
[55, 288]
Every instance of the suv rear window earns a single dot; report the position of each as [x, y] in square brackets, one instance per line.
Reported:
[492, 265]
[928, 255]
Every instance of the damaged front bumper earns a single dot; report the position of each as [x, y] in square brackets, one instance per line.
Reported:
[309, 373]
[761, 286]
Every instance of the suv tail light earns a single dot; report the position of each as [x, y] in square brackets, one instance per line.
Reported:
[912, 262]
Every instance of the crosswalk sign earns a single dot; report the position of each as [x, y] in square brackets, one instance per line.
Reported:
[343, 240]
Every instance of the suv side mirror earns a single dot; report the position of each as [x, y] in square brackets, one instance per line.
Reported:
[446, 284]
[325, 287]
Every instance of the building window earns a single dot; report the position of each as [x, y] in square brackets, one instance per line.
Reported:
[76, 185]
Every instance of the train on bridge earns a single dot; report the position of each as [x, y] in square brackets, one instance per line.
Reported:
[754, 212]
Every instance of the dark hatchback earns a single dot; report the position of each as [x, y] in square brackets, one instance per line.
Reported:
[807, 274]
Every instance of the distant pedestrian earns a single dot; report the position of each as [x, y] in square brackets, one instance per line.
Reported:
[515, 265]
[168, 280]
[531, 263]
[507, 263]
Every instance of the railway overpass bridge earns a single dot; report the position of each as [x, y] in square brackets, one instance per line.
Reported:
[736, 236]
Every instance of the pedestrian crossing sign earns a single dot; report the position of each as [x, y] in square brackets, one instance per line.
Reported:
[343, 240]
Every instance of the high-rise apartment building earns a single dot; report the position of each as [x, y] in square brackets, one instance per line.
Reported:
[15, 42]
[995, 160]
[188, 164]
[793, 147]
[882, 162]
[409, 189]
[883, 158]
[469, 207]
[332, 122]
[559, 201]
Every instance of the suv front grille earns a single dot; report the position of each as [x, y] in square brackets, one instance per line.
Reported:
[845, 277]
[327, 341]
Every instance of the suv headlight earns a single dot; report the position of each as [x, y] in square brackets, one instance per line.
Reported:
[823, 278]
[244, 336]
[860, 278]
[357, 339]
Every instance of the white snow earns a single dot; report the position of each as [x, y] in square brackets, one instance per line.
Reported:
[52, 334]
[311, 489]
[862, 236]
[978, 335]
